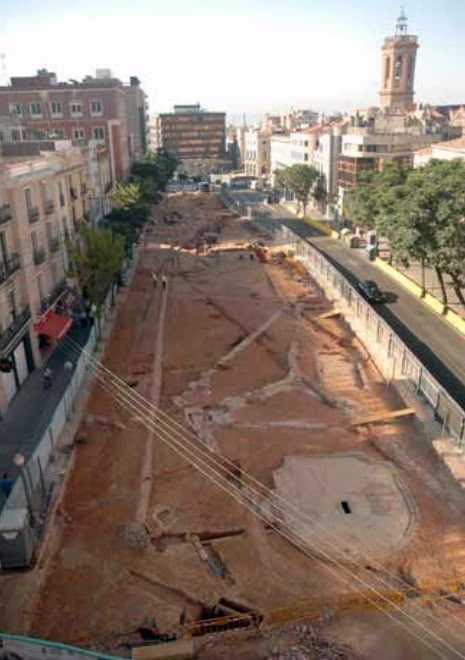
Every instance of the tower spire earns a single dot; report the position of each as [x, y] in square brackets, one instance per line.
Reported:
[401, 24]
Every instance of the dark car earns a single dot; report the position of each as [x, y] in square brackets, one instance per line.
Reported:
[371, 291]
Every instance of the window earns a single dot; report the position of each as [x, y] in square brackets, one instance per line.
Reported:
[76, 108]
[29, 200]
[99, 133]
[61, 193]
[58, 133]
[78, 133]
[96, 108]
[16, 109]
[57, 108]
[36, 109]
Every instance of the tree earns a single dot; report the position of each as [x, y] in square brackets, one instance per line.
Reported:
[300, 180]
[97, 261]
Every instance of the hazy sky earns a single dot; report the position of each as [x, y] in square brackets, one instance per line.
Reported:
[239, 55]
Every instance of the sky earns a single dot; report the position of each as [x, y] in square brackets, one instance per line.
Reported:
[242, 56]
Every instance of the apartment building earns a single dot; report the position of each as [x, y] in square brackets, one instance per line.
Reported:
[257, 156]
[101, 108]
[303, 144]
[44, 199]
[279, 154]
[448, 150]
[192, 133]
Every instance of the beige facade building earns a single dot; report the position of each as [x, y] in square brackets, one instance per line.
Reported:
[448, 150]
[44, 200]
[257, 161]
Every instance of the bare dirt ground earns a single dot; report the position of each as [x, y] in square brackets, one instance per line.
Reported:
[250, 368]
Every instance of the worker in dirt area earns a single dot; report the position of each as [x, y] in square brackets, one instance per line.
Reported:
[6, 484]
[154, 277]
[164, 281]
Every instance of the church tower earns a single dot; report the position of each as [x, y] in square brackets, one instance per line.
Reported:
[398, 72]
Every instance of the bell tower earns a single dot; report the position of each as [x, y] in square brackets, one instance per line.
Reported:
[398, 68]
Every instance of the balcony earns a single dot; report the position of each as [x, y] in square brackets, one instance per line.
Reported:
[108, 186]
[73, 193]
[33, 214]
[8, 334]
[54, 244]
[5, 213]
[39, 256]
[11, 265]
[49, 206]
[83, 188]
[62, 200]
[49, 300]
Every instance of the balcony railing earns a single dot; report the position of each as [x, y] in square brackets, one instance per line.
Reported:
[49, 206]
[54, 244]
[11, 265]
[73, 193]
[33, 214]
[52, 297]
[5, 213]
[83, 188]
[108, 186]
[39, 256]
[8, 334]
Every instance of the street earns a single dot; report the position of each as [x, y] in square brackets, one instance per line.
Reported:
[436, 344]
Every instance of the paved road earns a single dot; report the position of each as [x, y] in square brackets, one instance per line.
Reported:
[431, 338]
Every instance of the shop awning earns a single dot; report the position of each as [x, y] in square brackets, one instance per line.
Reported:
[53, 325]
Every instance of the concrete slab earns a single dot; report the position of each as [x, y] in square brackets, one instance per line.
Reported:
[361, 506]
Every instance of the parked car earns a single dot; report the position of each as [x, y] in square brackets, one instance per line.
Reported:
[371, 290]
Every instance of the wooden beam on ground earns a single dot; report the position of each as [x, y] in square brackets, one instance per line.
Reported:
[182, 649]
[329, 315]
[385, 416]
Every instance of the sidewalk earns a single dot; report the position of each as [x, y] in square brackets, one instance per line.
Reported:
[32, 408]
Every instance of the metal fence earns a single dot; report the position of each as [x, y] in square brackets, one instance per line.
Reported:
[393, 358]
[32, 489]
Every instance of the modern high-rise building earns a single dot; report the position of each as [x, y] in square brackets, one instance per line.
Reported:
[101, 108]
[193, 133]
[398, 67]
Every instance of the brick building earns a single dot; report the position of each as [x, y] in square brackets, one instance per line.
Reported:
[101, 108]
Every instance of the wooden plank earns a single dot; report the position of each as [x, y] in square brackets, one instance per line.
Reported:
[329, 315]
[384, 416]
[182, 649]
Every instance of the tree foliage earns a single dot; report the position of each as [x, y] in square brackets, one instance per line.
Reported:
[422, 214]
[303, 181]
[97, 260]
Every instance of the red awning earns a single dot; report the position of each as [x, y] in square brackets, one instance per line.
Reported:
[53, 325]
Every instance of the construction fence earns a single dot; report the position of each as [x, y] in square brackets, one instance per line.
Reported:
[22, 516]
[393, 358]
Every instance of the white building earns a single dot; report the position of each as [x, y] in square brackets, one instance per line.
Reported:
[257, 153]
[448, 150]
[279, 153]
[325, 158]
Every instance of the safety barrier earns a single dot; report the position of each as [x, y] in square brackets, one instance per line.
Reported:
[31, 648]
[391, 355]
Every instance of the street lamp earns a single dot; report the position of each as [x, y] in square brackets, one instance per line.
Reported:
[19, 461]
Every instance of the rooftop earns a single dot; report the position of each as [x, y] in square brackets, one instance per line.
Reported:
[455, 145]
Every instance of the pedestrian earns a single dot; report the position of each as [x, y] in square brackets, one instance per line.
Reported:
[164, 280]
[68, 366]
[6, 484]
[47, 378]
[154, 277]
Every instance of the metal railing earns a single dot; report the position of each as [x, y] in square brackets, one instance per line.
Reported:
[33, 214]
[11, 265]
[39, 256]
[5, 213]
[49, 206]
[391, 355]
[15, 326]
[54, 244]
